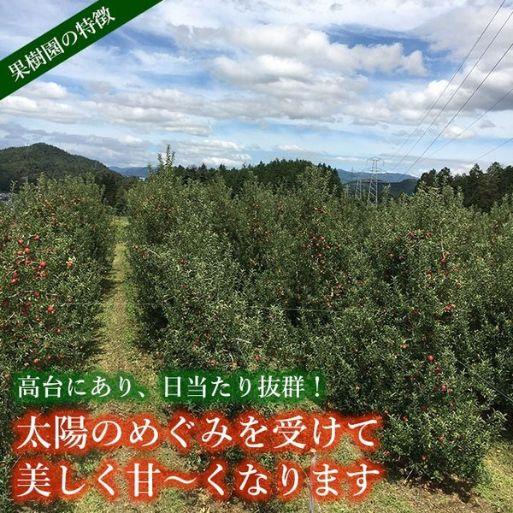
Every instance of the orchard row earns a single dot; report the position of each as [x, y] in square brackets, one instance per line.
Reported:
[54, 253]
[406, 307]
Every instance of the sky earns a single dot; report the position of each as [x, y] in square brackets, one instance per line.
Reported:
[236, 82]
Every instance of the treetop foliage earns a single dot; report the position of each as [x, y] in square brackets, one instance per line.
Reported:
[480, 189]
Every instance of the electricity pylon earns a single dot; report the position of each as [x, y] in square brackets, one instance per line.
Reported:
[373, 192]
[359, 192]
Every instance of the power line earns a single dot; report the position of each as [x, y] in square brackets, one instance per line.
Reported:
[456, 91]
[464, 105]
[435, 103]
[468, 127]
[507, 141]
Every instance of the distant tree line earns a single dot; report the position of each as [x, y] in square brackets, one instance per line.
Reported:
[279, 173]
[480, 189]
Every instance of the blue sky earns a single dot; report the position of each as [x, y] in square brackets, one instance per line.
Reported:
[239, 81]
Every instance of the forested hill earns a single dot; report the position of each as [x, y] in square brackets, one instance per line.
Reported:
[282, 172]
[278, 172]
[27, 163]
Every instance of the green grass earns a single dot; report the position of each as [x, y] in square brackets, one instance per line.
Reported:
[498, 491]
[118, 352]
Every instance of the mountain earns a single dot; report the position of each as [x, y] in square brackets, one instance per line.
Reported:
[19, 163]
[140, 172]
[353, 176]
[27, 163]
[403, 187]
[395, 188]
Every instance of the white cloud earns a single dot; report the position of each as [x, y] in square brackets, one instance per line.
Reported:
[130, 140]
[218, 161]
[289, 48]
[160, 62]
[263, 69]
[409, 106]
[19, 106]
[211, 152]
[152, 118]
[46, 90]
[457, 33]
[384, 14]
[290, 148]
[457, 132]
[291, 72]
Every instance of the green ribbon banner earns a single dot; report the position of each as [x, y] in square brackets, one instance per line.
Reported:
[65, 40]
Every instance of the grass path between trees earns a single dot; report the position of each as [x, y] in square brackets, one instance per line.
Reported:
[119, 352]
